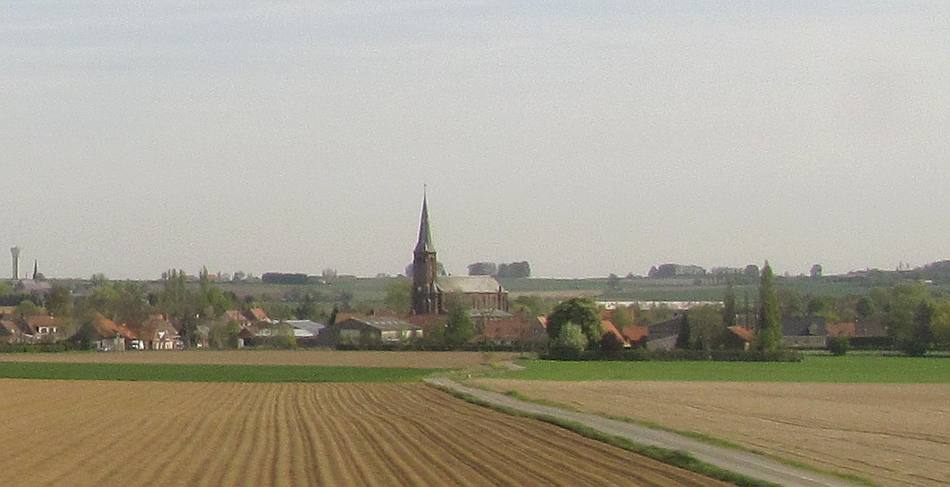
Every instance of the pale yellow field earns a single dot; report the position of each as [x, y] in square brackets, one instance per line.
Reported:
[79, 433]
[892, 434]
[437, 360]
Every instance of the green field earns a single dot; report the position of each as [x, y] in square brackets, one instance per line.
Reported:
[208, 373]
[849, 369]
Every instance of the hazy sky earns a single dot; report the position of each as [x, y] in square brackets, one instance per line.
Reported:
[586, 137]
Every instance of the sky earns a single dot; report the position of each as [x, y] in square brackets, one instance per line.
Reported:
[584, 137]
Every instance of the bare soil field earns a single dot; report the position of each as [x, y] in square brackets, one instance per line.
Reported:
[438, 360]
[81, 433]
[892, 434]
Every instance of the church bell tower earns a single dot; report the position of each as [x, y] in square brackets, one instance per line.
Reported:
[424, 294]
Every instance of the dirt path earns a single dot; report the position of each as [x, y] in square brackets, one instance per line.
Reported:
[752, 465]
[98, 433]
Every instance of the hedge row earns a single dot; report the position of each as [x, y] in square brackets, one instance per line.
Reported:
[38, 347]
[681, 355]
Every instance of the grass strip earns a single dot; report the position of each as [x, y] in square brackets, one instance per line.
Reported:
[675, 458]
[867, 369]
[703, 437]
[208, 372]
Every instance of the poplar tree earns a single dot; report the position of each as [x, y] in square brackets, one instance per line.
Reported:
[729, 306]
[769, 336]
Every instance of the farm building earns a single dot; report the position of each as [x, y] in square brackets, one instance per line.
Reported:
[804, 332]
[362, 331]
[305, 328]
[511, 331]
[663, 336]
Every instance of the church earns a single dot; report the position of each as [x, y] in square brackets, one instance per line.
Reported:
[432, 293]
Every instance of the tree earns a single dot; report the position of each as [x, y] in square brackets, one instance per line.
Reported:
[816, 271]
[941, 324]
[613, 281]
[514, 269]
[28, 308]
[581, 312]
[459, 327]
[790, 302]
[399, 295]
[921, 336]
[751, 271]
[60, 301]
[482, 269]
[900, 310]
[864, 307]
[570, 340]
[729, 306]
[530, 305]
[622, 317]
[769, 335]
[706, 327]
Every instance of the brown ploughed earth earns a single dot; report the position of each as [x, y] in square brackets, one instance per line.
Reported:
[437, 360]
[891, 434]
[97, 433]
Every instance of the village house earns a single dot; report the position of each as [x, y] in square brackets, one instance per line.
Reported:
[157, 333]
[40, 328]
[10, 332]
[107, 336]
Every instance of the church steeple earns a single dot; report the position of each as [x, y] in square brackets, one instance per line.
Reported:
[424, 244]
[425, 296]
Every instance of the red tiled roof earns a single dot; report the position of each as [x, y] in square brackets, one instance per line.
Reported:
[258, 314]
[635, 333]
[235, 315]
[511, 329]
[107, 328]
[607, 326]
[743, 333]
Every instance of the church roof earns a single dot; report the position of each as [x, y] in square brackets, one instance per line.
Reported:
[468, 284]
[425, 234]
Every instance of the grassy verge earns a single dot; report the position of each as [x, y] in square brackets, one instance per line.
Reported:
[671, 457]
[208, 373]
[703, 437]
[867, 369]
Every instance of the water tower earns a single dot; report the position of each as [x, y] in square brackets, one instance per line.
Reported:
[16, 262]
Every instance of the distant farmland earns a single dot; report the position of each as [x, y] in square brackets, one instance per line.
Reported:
[372, 290]
[136, 433]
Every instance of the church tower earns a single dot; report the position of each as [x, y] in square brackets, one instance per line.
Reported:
[424, 294]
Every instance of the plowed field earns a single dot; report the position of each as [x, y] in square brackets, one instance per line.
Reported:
[436, 360]
[893, 434]
[81, 433]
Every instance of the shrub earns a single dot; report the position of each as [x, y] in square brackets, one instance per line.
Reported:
[570, 341]
[839, 346]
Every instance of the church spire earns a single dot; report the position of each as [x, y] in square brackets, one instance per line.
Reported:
[425, 234]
